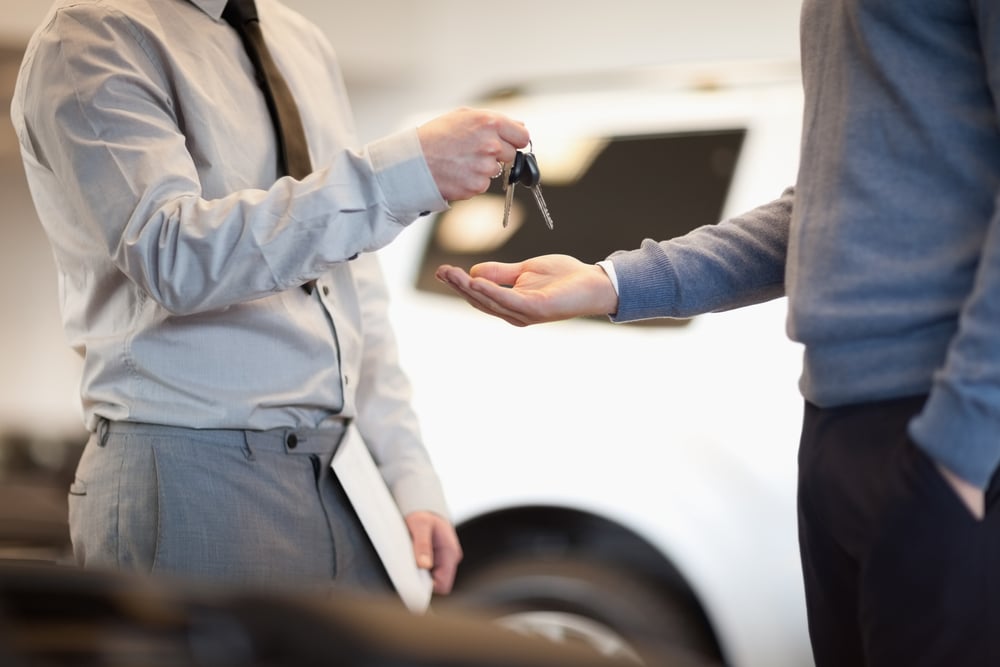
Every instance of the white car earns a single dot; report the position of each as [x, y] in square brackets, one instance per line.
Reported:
[629, 485]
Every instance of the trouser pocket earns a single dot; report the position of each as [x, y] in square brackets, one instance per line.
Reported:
[93, 506]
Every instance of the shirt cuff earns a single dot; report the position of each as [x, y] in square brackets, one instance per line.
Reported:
[413, 494]
[403, 175]
[609, 268]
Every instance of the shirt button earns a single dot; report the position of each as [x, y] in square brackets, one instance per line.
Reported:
[326, 291]
[292, 441]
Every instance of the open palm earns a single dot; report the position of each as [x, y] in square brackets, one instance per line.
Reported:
[540, 289]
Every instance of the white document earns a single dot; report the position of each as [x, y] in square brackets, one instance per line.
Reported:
[382, 520]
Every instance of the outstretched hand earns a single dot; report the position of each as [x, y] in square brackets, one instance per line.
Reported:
[540, 289]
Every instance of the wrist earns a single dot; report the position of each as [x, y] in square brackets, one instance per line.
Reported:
[608, 291]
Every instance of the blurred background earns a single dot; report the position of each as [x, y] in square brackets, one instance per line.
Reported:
[404, 60]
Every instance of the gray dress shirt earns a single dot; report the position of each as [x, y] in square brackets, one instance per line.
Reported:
[151, 159]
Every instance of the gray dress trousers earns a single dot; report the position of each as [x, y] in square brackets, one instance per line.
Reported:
[241, 507]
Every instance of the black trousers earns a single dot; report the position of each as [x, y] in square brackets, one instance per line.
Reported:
[898, 573]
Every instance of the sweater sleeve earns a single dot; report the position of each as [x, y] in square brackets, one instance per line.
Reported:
[737, 262]
[961, 419]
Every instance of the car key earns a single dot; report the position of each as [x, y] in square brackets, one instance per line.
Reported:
[508, 188]
[524, 170]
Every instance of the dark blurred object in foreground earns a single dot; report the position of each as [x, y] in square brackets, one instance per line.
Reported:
[33, 523]
[55, 616]
[35, 474]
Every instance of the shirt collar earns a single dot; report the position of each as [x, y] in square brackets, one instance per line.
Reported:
[211, 7]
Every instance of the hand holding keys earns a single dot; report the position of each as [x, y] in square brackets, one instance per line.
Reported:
[524, 170]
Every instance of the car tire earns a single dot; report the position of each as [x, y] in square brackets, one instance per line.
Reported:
[579, 601]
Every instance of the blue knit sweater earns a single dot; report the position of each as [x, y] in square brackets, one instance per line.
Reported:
[888, 247]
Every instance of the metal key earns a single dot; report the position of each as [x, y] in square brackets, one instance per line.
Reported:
[508, 187]
[524, 170]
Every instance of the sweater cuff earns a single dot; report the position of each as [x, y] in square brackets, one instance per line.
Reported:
[647, 284]
[959, 434]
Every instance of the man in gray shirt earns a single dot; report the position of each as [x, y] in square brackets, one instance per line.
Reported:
[888, 249]
[216, 387]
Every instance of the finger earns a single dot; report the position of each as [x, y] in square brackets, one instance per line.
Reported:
[460, 283]
[506, 152]
[421, 534]
[484, 295]
[514, 132]
[452, 276]
[489, 166]
[507, 155]
[478, 184]
[501, 302]
[486, 305]
[444, 271]
[497, 150]
[447, 555]
[485, 170]
[445, 568]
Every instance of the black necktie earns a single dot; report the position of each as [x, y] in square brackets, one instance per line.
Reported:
[293, 151]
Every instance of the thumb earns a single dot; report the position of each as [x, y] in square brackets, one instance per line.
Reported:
[421, 534]
[500, 273]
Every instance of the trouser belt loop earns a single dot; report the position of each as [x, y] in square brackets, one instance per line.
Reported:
[102, 431]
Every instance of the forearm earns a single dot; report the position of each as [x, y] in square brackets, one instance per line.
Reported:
[193, 254]
[737, 262]
[959, 424]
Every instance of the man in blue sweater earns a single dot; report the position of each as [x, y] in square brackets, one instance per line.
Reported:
[888, 249]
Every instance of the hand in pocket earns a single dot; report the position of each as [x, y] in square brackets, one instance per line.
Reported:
[972, 496]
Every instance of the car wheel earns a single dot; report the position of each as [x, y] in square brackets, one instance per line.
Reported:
[579, 601]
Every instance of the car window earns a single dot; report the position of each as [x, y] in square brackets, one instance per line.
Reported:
[627, 189]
